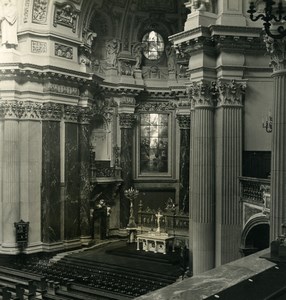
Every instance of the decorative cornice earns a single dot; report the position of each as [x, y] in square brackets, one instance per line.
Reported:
[230, 93]
[126, 120]
[184, 121]
[276, 48]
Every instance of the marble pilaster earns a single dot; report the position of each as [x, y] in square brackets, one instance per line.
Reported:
[184, 179]
[71, 173]
[277, 51]
[228, 151]
[51, 180]
[202, 212]
[10, 174]
[30, 137]
[84, 187]
[126, 121]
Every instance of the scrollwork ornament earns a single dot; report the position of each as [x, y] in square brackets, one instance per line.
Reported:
[276, 48]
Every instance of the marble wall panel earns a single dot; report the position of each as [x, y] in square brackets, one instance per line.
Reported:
[72, 182]
[184, 169]
[50, 192]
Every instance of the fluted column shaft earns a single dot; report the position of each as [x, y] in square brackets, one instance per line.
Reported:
[278, 165]
[277, 51]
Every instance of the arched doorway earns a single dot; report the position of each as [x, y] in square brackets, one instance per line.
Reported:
[255, 236]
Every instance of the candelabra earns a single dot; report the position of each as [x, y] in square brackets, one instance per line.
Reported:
[131, 194]
[273, 18]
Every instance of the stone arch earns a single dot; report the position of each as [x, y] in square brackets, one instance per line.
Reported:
[255, 235]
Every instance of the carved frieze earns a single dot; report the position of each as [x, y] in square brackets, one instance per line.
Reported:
[51, 111]
[38, 47]
[230, 93]
[63, 51]
[127, 101]
[156, 106]
[66, 15]
[40, 11]
[126, 120]
[184, 121]
[61, 89]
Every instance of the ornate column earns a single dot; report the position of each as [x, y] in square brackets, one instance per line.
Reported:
[228, 141]
[126, 122]
[11, 111]
[202, 179]
[51, 114]
[184, 176]
[84, 178]
[277, 51]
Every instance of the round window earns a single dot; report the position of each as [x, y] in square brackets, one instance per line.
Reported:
[153, 45]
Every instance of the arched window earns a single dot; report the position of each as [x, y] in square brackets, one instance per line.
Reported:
[154, 45]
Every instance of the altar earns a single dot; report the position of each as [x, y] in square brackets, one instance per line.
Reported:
[154, 242]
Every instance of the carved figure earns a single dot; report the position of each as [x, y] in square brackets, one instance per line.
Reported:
[171, 58]
[8, 18]
[138, 54]
[112, 50]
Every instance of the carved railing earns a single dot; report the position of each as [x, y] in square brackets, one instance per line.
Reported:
[103, 170]
[253, 189]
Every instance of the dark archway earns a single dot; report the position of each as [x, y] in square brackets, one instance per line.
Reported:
[257, 239]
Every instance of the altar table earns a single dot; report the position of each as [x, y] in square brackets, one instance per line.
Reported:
[156, 243]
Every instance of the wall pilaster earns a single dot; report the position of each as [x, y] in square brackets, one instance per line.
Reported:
[228, 140]
[202, 173]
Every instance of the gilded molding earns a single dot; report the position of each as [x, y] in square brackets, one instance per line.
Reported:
[230, 93]
[126, 120]
[184, 121]
[40, 11]
[276, 48]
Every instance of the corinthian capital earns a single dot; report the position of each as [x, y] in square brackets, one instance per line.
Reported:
[184, 121]
[11, 109]
[51, 111]
[202, 93]
[276, 48]
[230, 92]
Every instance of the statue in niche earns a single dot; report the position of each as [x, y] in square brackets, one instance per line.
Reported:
[112, 50]
[8, 19]
[138, 54]
[171, 58]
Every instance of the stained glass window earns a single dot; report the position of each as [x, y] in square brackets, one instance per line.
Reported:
[154, 143]
[154, 45]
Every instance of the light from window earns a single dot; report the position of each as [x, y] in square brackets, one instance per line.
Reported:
[154, 143]
[154, 45]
